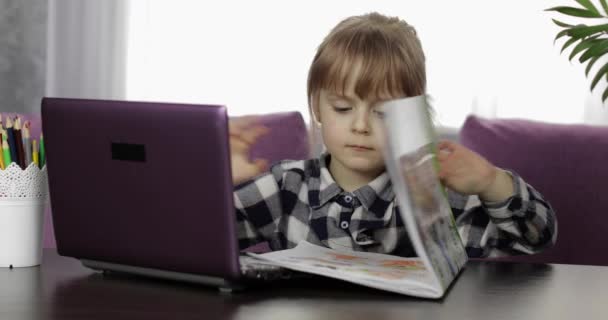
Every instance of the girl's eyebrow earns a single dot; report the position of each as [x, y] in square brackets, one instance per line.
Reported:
[335, 96]
[341, 97]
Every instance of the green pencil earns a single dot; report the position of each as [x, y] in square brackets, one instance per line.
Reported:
[42, 153]
[6, 153]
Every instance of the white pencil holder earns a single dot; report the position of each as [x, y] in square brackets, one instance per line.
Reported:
[23, 196]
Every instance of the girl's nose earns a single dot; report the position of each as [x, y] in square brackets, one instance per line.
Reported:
[361, 123]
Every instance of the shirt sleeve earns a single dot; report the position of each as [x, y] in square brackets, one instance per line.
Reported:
[522, 224]
[258, 207]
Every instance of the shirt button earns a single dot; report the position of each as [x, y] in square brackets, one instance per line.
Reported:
[344, 224]
[348, 198]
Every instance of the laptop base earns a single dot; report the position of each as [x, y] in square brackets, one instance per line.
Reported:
[224, 286]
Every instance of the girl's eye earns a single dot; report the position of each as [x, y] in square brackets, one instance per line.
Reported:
[341, 109]
[379, 113]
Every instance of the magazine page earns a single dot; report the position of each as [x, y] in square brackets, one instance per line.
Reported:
[386, 272]
[410, 156]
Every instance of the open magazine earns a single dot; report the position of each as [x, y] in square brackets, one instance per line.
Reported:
[410, 156]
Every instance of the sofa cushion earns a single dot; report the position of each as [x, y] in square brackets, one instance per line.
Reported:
[287, 139]
[565, 163]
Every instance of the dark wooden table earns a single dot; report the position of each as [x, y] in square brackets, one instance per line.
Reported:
[62, 289]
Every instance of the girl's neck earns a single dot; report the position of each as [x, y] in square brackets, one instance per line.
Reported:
[348, 179]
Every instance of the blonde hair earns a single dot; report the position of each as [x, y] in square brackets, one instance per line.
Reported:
[390, 56]
[388, 49]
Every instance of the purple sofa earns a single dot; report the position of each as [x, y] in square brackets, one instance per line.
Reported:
[568, 165]
[287, 139]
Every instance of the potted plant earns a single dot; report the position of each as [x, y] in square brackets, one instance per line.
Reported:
[590, 40]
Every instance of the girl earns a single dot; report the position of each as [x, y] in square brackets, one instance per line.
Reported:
[344, 198]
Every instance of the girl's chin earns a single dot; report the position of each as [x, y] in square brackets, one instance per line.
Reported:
[365, 165]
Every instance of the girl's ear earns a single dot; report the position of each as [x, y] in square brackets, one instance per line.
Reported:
[315, 118]
[314, 111]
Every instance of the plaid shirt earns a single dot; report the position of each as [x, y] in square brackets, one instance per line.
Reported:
[299, 200]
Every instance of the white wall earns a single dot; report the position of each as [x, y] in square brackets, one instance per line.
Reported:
[86, 49]
[495, 58]
[22, 55]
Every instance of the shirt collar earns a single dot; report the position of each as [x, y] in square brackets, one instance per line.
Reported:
[374, 197]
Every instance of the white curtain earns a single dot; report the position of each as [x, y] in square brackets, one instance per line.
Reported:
[22, 55]
[86, 49]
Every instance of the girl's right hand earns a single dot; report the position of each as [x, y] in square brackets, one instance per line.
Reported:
[244, 132]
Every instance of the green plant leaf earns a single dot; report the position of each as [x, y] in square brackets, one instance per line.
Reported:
[598, 49]
[588, 5]
[590, 64]
[604, 5]
[561, 24]
[575, 12]
[605, 95]
[584, 31]
[583, 45]
[568, 43]
[599, 75]
[561, 34]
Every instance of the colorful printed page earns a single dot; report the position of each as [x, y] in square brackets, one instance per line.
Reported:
[381, 271]
[410, 155]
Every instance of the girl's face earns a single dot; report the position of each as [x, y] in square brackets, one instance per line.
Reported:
[352, 130]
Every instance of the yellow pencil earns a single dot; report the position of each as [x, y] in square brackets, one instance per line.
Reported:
[35, 152]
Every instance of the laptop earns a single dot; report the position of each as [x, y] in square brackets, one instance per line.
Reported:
[146, 188]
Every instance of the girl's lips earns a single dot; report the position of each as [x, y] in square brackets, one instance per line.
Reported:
[359, 148]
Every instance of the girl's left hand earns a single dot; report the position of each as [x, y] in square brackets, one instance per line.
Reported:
[466, 172]
[244, 132]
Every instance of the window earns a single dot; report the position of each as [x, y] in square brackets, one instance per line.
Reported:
[491, 58]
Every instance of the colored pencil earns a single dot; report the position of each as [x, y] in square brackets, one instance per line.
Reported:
[2, 139]
[27, 143]
[42, 153]
[6, 153]
[2, 166]
[35, 152]
[19, 143]
[10, 139]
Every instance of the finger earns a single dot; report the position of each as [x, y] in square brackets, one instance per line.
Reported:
[252, 134]
[444, 174]
[235, 128]
[247, 119]
[446, 145]
[238, 124]
[238, 145]
[445, 166]
[244, 173]
[443, 154]
[260, 131]
[441, 173]
[261, 164]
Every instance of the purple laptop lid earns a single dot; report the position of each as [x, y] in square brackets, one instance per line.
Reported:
[142, 184]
